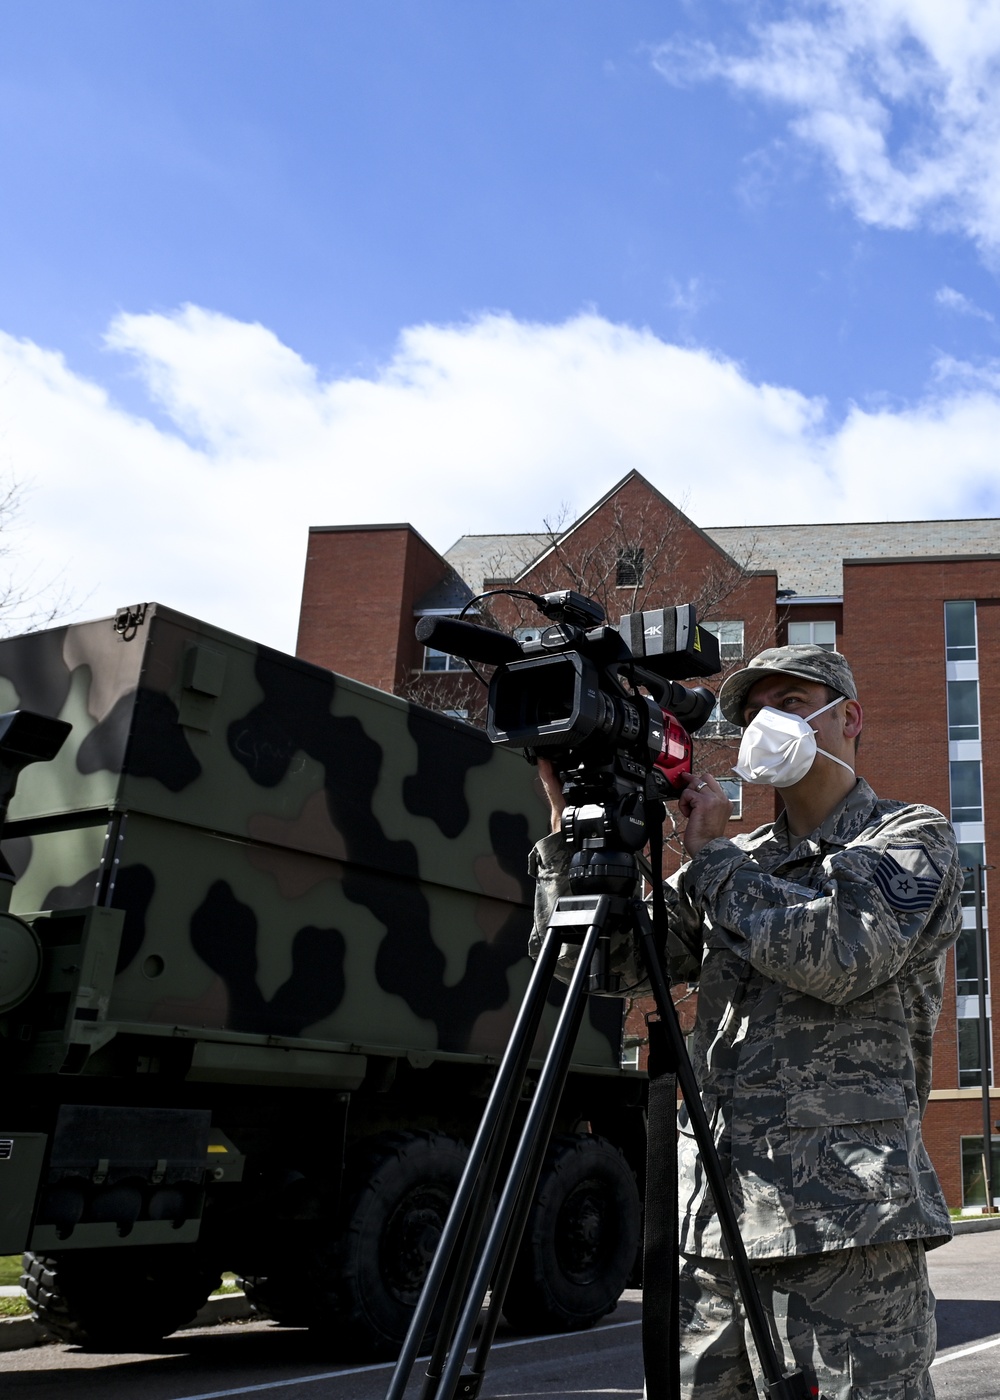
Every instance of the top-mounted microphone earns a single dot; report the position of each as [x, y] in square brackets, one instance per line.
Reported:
[467, 640]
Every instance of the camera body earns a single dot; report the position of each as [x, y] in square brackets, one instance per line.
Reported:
[603, 703]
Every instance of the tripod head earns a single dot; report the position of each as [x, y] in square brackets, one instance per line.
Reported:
[608, 821]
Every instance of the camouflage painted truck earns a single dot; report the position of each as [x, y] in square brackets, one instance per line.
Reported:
[281, 940]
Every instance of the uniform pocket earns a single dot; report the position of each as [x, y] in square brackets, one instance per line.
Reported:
[847, 1143]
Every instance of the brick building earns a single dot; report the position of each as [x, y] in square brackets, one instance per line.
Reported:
[915, 605]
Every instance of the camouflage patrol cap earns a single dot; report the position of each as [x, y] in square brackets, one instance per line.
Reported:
[811, 662]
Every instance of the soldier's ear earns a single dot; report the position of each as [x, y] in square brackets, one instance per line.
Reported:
[853, 719]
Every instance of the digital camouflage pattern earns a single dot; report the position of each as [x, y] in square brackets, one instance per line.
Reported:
[810, 662]
[820, 969]
[823, 1322]
[298, 861]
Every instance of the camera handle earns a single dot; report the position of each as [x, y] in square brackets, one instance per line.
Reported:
[586, 920]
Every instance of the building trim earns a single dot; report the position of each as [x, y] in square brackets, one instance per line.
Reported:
[352, 529]
[359, 529]
[963, 1094]
[812, 600]
[930, 559]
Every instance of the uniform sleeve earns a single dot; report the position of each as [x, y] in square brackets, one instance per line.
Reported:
[547, 865]
[890, 894]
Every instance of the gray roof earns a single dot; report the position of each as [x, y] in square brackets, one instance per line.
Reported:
[449, 594]
[479, 557]
[808, 558]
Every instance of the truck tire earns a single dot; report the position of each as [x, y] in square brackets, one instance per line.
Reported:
[359, 1292]
[401, 1191]
[117, 1299]
[580, 1242]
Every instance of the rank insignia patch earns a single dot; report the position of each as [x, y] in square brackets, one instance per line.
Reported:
[908, 878]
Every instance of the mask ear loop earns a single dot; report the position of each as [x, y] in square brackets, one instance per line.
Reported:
[832, 757]
[823, 709]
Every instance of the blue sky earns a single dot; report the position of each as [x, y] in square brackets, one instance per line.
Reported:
[466, 263]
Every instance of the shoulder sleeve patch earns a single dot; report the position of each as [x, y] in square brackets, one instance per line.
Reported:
[907, 877]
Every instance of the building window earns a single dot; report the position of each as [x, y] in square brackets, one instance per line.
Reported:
[963, 710]
[527, 634]
[630, 1055]
[818, 634]
[631, 565]
[717, 726]
[730, 635]
[966, 791]
[734, 791]
[971, 853]
[960, 631]
[967, 966]
[456, 714]
[973, 1180]
[442, 661]
[969, 1068]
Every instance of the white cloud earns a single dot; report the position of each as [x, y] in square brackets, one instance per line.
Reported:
[688, 298]
[959, 302]
[478, 427]
[901, 97]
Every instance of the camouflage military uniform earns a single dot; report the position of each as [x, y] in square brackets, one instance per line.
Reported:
[820, 968]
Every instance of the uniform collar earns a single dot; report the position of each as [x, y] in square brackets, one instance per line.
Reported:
[847, 820]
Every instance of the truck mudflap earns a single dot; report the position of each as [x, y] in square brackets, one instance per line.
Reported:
[123, 1176]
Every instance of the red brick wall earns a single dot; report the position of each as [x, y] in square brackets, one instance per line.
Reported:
[894, 638]
[946, 1122]
[358, 596]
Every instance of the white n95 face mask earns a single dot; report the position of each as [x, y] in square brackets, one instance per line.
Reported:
[779, 748]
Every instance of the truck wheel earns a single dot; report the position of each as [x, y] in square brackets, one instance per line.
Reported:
[116, 1299]
[358, 1291]
[401, 1191]
[581, 1239]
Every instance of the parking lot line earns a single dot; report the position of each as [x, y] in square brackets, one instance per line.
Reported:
[968, 1351]
[380, 1366]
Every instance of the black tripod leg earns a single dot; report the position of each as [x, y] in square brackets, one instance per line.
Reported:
[528, 1154]
[541, 1138]
[472, 1199]
[780, 1384]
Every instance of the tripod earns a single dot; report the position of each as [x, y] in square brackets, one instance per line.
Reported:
[603, 902]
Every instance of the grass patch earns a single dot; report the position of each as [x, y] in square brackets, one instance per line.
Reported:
[228, 1285]
[10, 1270]
[14, 1307]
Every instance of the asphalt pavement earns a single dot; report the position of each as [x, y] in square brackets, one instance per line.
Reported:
[259, 1359]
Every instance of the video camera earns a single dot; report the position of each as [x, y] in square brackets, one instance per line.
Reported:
[574, 692]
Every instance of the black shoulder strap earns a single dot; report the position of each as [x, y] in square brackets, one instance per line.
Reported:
[660, 1324]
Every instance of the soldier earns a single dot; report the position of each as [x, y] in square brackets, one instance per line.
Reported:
[818, 943]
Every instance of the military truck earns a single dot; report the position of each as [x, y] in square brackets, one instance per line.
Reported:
[270, 942]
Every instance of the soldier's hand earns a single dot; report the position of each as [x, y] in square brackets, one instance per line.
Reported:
[707, 809]
[553, 790]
